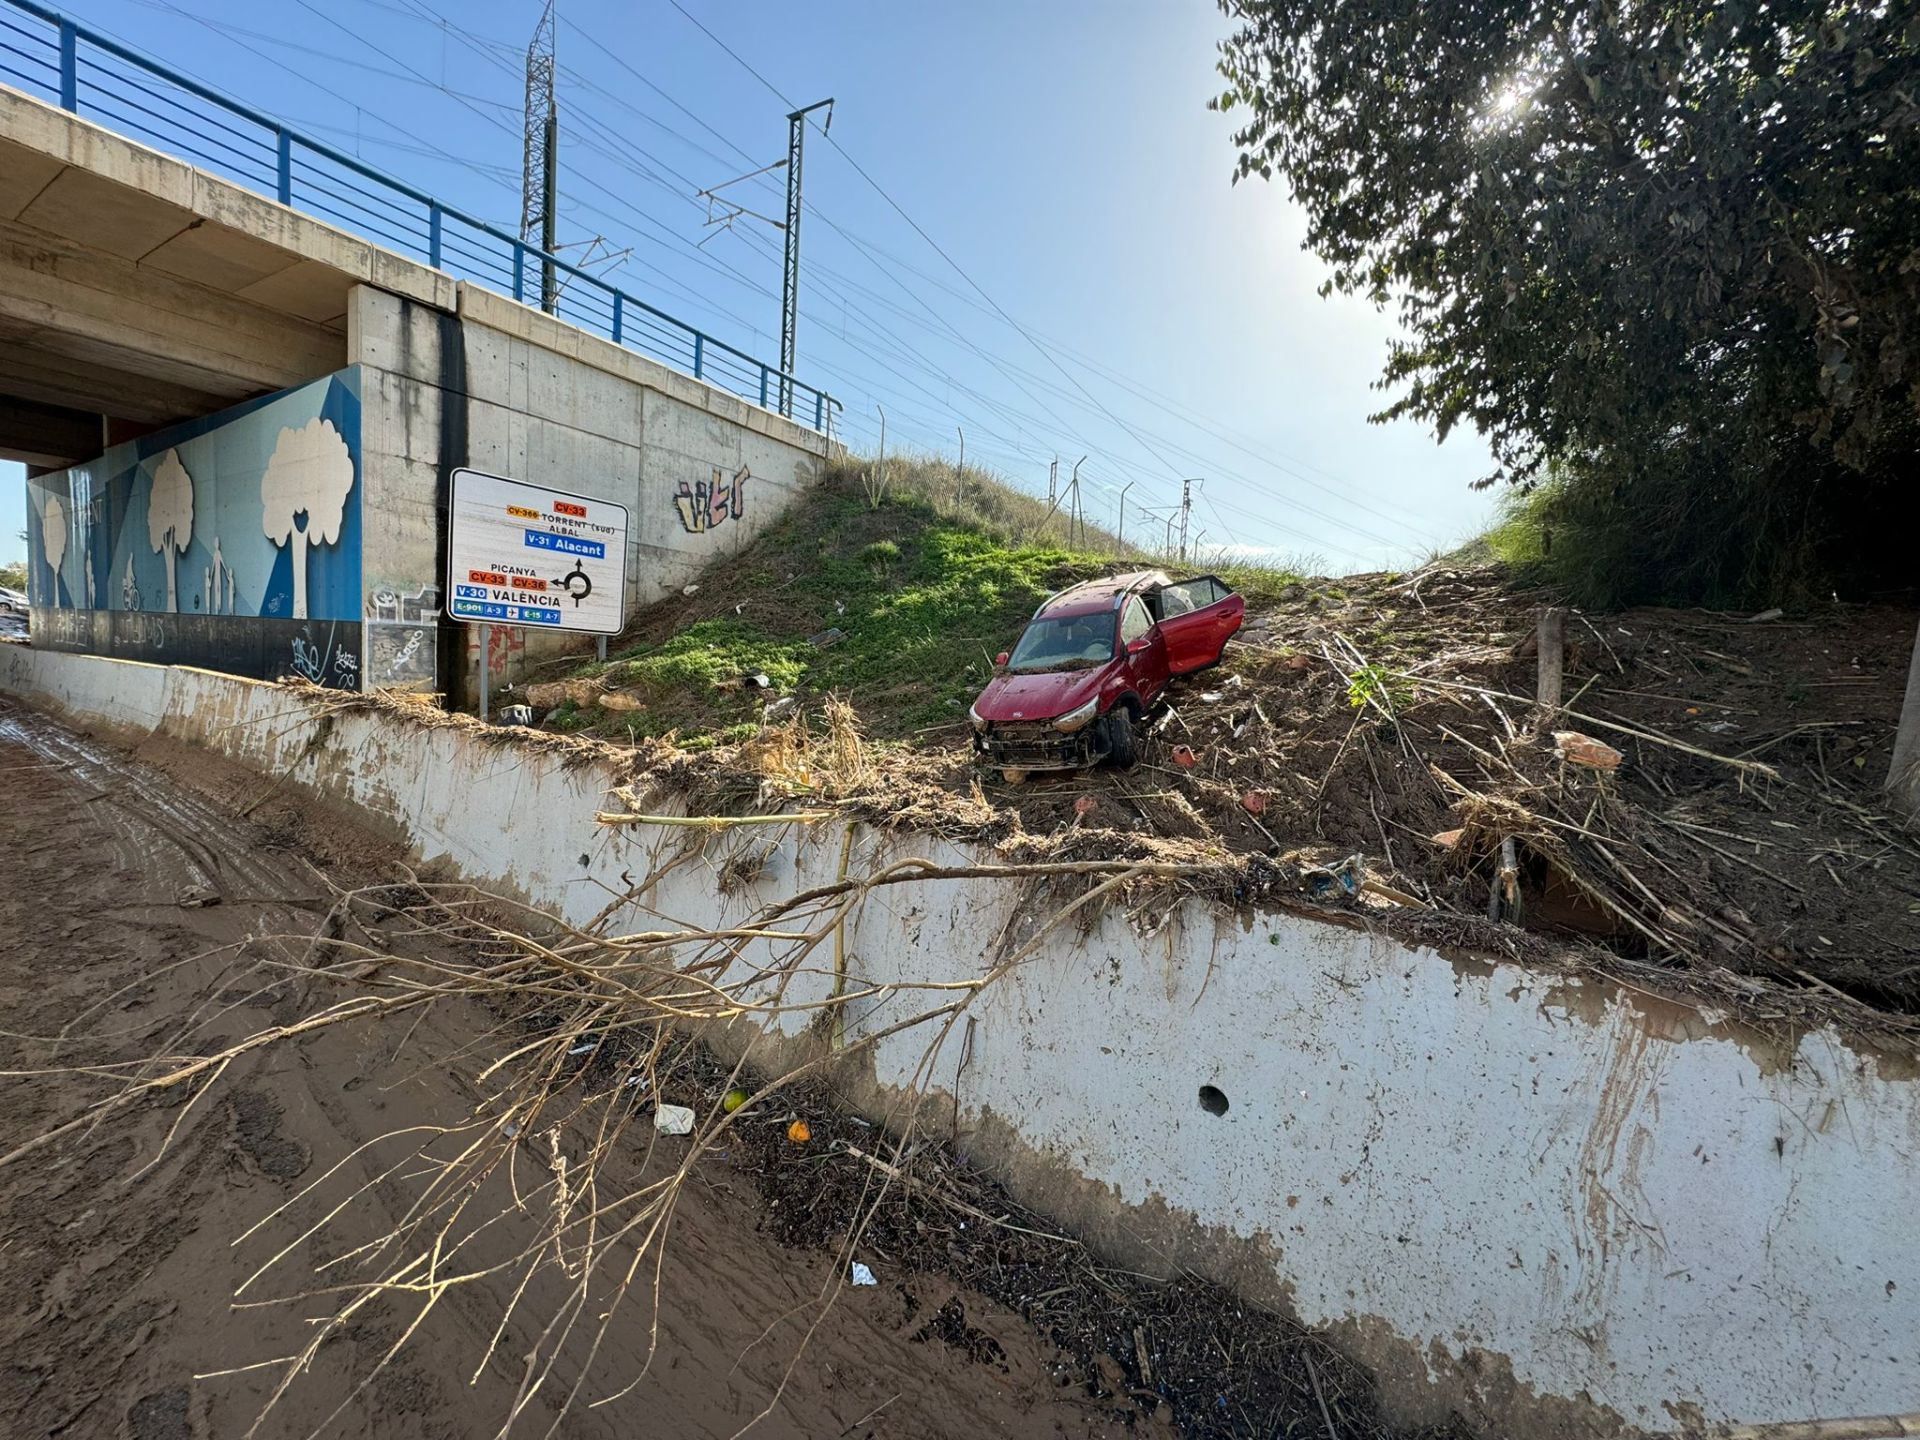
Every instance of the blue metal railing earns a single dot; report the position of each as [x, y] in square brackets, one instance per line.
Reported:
[49, 56]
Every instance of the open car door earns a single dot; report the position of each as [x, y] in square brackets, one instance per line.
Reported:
[1196, 617]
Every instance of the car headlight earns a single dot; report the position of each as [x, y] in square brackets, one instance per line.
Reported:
[1079, 717]
[979, 723]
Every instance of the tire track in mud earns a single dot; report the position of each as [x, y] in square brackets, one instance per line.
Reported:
[118, 1262]
[161, 832]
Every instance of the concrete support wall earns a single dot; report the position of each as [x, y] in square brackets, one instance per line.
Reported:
[537, 400]
[1564, 1207]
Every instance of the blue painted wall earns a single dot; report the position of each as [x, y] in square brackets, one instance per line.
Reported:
[110, 561]
[254, 515]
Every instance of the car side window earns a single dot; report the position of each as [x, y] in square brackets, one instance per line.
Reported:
[1134, 621]
[1185, 596]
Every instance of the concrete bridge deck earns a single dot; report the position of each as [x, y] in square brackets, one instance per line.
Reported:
[136, 290]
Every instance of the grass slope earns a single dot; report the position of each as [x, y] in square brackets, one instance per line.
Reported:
[926, 583]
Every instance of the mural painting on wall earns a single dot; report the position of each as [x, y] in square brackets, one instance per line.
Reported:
[231, 542]
[705, 504]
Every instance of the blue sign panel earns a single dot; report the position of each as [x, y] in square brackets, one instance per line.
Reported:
[566, 544]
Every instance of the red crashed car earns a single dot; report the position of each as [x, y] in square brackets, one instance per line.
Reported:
[1093, 661]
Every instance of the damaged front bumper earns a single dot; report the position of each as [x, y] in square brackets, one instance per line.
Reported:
[1041, 747]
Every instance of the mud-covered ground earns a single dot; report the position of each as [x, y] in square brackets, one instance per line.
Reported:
[128, 898]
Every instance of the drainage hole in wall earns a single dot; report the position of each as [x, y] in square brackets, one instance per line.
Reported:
[1213, 1100]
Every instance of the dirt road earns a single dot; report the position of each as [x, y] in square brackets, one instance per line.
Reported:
[130, 903]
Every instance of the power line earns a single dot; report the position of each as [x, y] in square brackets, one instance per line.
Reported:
[902, 350]
[900, 210]
[960, 270]
[481, 45]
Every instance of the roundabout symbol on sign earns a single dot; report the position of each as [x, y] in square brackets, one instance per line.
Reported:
[585, 587]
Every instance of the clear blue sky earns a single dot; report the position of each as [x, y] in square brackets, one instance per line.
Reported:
[1061, 154]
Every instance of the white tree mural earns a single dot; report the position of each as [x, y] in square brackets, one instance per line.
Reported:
[53, 537]
[303, 495]
[170, 516]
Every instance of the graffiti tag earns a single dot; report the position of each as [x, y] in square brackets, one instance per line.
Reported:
[401, 662]
[703, 504]
[308, 659]
[386, 603]
[504, 642]
[313, 660]
[399, 655]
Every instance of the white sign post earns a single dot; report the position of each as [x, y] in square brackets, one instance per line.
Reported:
[520, 554]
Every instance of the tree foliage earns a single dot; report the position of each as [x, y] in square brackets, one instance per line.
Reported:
[1670, 250]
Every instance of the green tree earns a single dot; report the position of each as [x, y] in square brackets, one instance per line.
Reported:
[13, 575]
[1671, 250]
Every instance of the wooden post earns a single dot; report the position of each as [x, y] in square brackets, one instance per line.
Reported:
[1504, 899]
[1553, 655]
[1903, 779]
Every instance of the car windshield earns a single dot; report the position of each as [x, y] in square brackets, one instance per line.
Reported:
[1069, 642]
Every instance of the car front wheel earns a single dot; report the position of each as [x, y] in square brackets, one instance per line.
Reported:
[1123, 738]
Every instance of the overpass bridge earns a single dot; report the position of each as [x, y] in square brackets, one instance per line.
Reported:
[202, 304]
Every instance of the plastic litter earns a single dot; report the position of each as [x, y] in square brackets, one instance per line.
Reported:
[861, 1275]
[1085, 805]
[517, 715]
[1447, 839]
[673, 1120]
[1343, 879]
[799, 1132]
[1184, 757]
[833, 635]
[1254, 802]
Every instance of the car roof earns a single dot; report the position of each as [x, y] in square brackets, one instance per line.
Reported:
[1094, 597]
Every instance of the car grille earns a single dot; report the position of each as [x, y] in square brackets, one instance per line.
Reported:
[1041, 747]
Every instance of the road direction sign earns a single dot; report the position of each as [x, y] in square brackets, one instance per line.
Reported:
[519, 554]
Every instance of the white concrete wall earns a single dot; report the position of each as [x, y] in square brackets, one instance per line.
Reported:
[555, 406]
[1561, 1205]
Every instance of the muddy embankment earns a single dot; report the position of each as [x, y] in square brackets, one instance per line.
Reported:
[1551, 1201]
